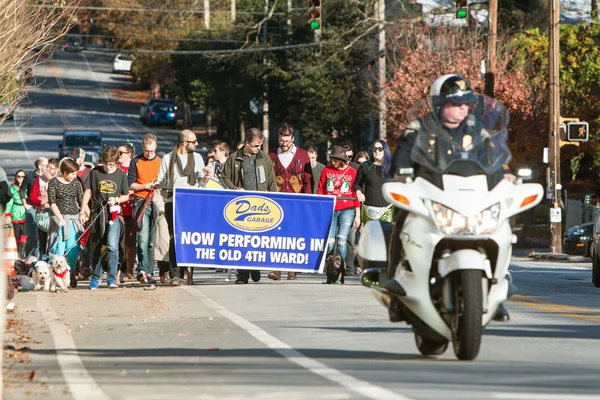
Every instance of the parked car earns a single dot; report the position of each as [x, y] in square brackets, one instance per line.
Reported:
[90, 141]
[592, 201]
[122, 63]
[145, 108]
[162, 114]
[578, 239]
[73, 43]
[5, 111]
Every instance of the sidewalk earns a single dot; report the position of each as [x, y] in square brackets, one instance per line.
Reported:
[543, 253]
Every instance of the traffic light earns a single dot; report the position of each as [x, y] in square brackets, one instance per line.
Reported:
[578, 131]
[462, 8]
[315, 15]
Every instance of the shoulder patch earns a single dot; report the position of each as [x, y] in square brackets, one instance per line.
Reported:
[414, 125]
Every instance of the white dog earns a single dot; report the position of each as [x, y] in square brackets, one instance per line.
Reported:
[61, 274]
[41, 275]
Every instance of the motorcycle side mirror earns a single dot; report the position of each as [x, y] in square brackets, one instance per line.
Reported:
[524, 173]
[403, 174]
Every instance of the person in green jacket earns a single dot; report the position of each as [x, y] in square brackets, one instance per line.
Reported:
[15, 212]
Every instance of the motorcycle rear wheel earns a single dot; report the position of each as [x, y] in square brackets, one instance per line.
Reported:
[430, 347]
[468, 310]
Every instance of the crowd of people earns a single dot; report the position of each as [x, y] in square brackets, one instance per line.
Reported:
[116, 218]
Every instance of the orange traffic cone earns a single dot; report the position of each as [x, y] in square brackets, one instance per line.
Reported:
[11, 254]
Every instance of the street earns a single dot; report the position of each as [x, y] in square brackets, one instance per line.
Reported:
[267, 340]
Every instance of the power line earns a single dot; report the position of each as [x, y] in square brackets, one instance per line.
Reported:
[150, 10]
[214, 52]
[157, 38]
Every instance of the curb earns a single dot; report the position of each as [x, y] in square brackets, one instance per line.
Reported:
[560, 257]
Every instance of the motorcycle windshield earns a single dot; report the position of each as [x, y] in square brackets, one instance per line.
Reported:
[481, 138]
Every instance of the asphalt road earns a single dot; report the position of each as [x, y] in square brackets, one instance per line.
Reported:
[269, 340]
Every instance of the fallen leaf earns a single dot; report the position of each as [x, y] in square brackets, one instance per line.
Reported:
[31, 376]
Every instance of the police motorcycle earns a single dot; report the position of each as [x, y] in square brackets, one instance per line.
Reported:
[446, 266]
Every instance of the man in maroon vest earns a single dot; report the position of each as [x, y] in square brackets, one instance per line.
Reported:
[293, 172]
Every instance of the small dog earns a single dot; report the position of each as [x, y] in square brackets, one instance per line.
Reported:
[61, 274]
[334, 269]
[41, 275]
[23, 282]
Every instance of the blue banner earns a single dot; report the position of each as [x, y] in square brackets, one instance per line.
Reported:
[251, 230]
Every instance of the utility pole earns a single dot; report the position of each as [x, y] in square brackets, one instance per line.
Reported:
[490, 68]
[233, 10]
[554, 131]
[207, 14]
[265, 93]
[380, 12]
[289, 21]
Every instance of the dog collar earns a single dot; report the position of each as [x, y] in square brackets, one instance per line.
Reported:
[61, 275]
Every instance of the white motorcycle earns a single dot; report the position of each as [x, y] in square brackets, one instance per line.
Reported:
[446, 266]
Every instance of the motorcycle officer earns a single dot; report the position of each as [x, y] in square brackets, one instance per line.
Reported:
[451, 97]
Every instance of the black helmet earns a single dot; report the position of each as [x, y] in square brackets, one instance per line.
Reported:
[451, 89]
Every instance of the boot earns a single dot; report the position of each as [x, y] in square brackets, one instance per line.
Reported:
[130, 255]
[291, 276]
[502, 314]
[275, 275]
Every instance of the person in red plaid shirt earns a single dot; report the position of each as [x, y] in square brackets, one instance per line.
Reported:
[127, 260]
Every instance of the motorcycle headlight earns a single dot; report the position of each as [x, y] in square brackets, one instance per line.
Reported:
[450, 222]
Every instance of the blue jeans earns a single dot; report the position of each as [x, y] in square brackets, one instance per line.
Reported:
[61, 245]
[31, 245]
[340, 227]
[145, 242]
[111, 235]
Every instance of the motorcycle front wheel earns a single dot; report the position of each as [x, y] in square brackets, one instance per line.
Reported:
[468, 310]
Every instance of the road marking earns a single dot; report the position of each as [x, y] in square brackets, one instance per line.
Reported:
[122, 128]
[316, 367]
[568, 311]
[61, 86]
[81, 385]
[18, 129]
[544, 396]
[96, 79]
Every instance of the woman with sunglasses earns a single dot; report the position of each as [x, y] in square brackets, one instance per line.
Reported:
[337, 179]
[371, 176]
[16, 210]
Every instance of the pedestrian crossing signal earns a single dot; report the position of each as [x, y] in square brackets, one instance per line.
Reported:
[578, 131]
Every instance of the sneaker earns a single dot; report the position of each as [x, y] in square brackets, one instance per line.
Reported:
[255, 275]
[240, 281]
[142, 277]
[112, 284]
[175, 281]
[151, 280]
[94, 284]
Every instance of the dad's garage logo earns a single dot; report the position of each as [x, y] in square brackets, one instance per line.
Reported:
[253, 213]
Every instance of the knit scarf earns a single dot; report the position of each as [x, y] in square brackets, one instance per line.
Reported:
[189, 171]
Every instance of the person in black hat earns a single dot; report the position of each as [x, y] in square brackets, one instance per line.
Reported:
[337, 179]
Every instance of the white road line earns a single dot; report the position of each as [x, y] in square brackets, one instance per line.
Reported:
[18, 129]
[316, 367]
[544, 396]
[96, 79]
[123, 129]
[81, 385]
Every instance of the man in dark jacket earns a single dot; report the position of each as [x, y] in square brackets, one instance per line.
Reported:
[250, 168]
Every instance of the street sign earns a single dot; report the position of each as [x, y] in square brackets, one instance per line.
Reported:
[555, 215]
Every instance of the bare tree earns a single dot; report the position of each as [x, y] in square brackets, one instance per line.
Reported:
[29, 31]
